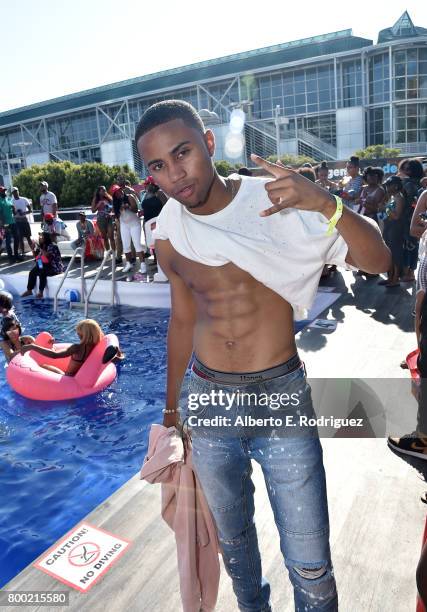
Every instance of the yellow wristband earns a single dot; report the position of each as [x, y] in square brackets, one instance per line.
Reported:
[336, 216]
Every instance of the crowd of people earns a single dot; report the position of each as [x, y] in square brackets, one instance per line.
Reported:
[118, 225]
[396, 203]
[391, 203]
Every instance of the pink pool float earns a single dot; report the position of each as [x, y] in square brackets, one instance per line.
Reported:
[27, 377]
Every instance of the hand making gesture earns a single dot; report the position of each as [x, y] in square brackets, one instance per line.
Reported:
[291, 190]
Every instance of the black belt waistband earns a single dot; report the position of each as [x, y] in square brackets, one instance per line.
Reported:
[232, 378]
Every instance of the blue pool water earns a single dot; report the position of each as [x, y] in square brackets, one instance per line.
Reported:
[60, 460]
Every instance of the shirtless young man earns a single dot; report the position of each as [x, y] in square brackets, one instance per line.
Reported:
[240, 326]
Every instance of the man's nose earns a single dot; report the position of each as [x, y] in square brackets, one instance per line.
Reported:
[176, 172]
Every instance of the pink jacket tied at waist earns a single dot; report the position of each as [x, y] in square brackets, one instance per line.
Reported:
[185, 510]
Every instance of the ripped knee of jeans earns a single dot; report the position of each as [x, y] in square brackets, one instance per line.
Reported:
[316, 582]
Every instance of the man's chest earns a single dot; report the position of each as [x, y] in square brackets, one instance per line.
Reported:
[203, 279]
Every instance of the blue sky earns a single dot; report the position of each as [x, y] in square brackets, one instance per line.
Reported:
[53, 47]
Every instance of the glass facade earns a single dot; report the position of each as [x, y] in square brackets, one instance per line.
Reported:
[379, 125]
[309, 94]
[411, 123]
[350, 83]
[410, 74]
[297, 92]
[379, 78]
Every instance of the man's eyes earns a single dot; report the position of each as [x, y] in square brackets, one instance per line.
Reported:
[180, 154]
[183, 152]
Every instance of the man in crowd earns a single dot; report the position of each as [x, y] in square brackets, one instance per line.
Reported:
[237, 272]
[7, 221]
[56, 228]
[48, 201]
[22, 208]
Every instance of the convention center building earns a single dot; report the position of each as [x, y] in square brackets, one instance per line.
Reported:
[324, 96]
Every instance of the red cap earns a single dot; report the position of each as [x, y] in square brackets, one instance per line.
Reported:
[113, 189]
[48, 217]
[149, 181]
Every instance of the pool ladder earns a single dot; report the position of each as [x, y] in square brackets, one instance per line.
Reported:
[85, 295]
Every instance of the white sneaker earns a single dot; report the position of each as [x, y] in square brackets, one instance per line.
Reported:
[127, 267]
[143, 268]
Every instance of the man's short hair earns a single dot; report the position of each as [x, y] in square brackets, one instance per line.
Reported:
[165, 111]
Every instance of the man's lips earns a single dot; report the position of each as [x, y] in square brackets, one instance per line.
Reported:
[185, 192]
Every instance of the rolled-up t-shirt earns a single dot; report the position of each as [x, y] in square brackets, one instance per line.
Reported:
[285, 251]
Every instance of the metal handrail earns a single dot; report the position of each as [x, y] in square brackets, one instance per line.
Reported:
[79, 251]
[95, 280]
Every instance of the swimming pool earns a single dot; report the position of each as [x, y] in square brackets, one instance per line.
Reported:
[59, 460]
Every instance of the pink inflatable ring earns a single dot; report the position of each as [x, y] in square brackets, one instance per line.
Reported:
[26, 376]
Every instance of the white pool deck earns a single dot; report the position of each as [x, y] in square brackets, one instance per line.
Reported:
[376, 516]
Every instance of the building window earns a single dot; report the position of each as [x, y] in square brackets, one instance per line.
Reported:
[298, 92]
[379, 126]
[323, 127]
[379, 79]
[411, 123]
[351, 83]
[410, 74]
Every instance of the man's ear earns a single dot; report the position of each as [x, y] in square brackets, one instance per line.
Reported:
[210, 141]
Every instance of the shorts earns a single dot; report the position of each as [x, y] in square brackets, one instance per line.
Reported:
[104, 223]
[23, 229]
[131, 232]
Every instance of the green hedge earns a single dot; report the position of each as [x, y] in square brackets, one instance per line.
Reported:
[73, 184]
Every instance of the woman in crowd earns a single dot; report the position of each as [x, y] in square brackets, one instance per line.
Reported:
[84, 229]
[130, 227]
[11, 338]
[394, 228]
[352, 185]
[102, 204]
[322, 177]
[411, 171]
[89, 333]
[48, 262]
[373, 194]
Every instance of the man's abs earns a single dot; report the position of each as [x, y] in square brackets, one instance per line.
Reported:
[242, 326]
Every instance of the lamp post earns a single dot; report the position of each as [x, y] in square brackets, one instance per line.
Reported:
[278, 121]
[9, 163]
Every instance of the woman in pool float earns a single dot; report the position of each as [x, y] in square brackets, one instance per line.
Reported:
[90, 334]
[12, 341]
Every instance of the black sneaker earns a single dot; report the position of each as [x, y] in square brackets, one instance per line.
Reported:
[410, 444]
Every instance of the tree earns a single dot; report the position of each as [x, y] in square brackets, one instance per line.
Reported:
[83, 180]
[74, 185]
[379, 151]
[55, 173]
[224, 168]
[293, 160]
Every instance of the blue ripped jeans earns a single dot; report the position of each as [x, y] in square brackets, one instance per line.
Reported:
[291, 461]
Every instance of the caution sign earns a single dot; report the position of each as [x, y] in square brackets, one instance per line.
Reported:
[82, 556]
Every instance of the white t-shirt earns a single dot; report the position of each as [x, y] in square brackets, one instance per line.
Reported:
[285, 251]
[22, 205]
[47, 200]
